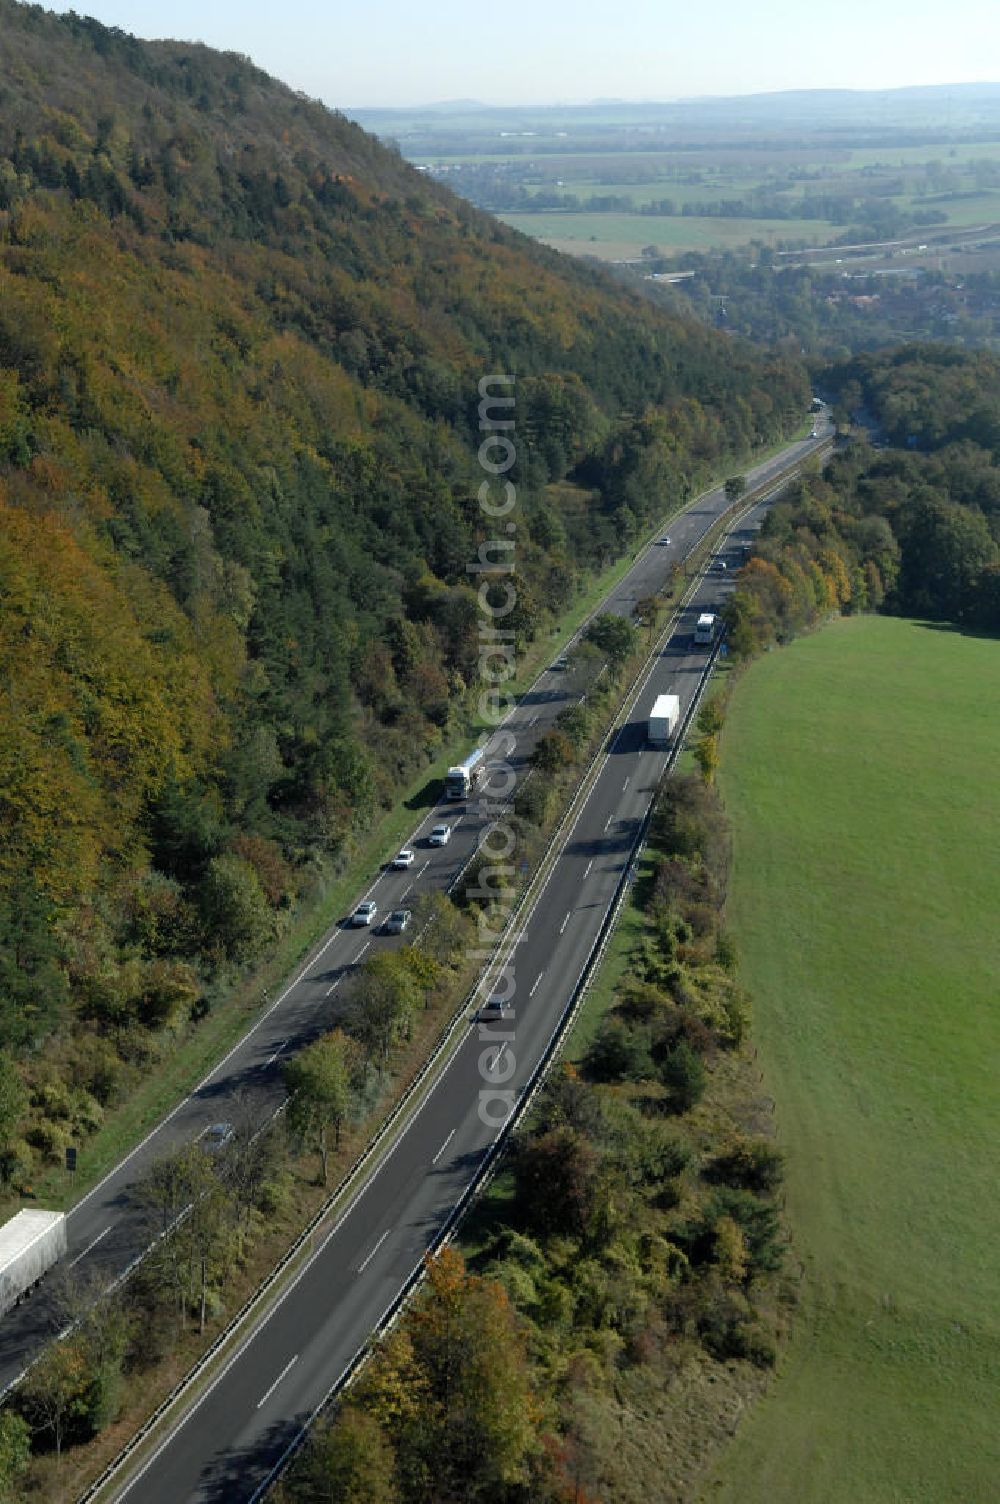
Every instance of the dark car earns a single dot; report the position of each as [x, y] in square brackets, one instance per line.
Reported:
[217, 1137]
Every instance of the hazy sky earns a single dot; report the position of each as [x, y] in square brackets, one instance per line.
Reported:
[403, 52]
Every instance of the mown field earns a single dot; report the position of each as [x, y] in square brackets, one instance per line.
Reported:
[617, 236]
[860, 774]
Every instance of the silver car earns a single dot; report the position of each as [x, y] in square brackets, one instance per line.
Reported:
[397, 921]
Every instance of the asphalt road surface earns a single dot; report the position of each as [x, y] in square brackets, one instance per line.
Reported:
[108, 1228]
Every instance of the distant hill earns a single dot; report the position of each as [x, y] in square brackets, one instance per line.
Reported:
[240, 343]
[919, 108]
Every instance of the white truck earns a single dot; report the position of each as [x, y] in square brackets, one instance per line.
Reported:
[30, 1243]
[460, 781]
[664, 719]
[704, 632]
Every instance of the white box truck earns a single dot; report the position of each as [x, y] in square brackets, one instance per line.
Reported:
[30, 1243]
[704, 631]
[664, 718]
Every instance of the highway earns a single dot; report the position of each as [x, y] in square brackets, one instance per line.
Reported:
[230, 1441]
[108, 1228]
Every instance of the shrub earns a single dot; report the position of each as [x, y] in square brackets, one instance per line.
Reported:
[619, 1052]
[683, 1074]
[756, 1219]
[749, 1164]
[50, 1139]
[534, 800]
[98, 1068]
[556, 1181]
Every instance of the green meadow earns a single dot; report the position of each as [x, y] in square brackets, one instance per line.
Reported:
[619, 236]
[861, 771]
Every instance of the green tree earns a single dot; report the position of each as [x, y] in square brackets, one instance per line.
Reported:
[619, 1052]
[456, 1394]
[320, 1080]
[556, 1180]
[553, 752]
[384, 999]
[15, 1455]
[735, 487]
[710, 718]
[613, 635]
[235, 911]
[441, 931]
[53, 1395]
[206, 1233]
[195, 1209]
[944, 548]
[347, 1461]
[706, 755]
[13, 1101]
[32, 979]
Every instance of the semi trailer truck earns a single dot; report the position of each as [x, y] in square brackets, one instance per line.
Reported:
[664, 719]
[461, 780]
[30, 1243]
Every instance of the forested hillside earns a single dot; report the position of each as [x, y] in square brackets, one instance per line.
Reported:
[240, 344]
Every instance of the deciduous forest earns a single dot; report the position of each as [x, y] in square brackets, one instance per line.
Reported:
[910, 524]
[240, 348]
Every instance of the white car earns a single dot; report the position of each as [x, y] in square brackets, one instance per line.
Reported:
[403, 859]
[440, 835]
[364, 914]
